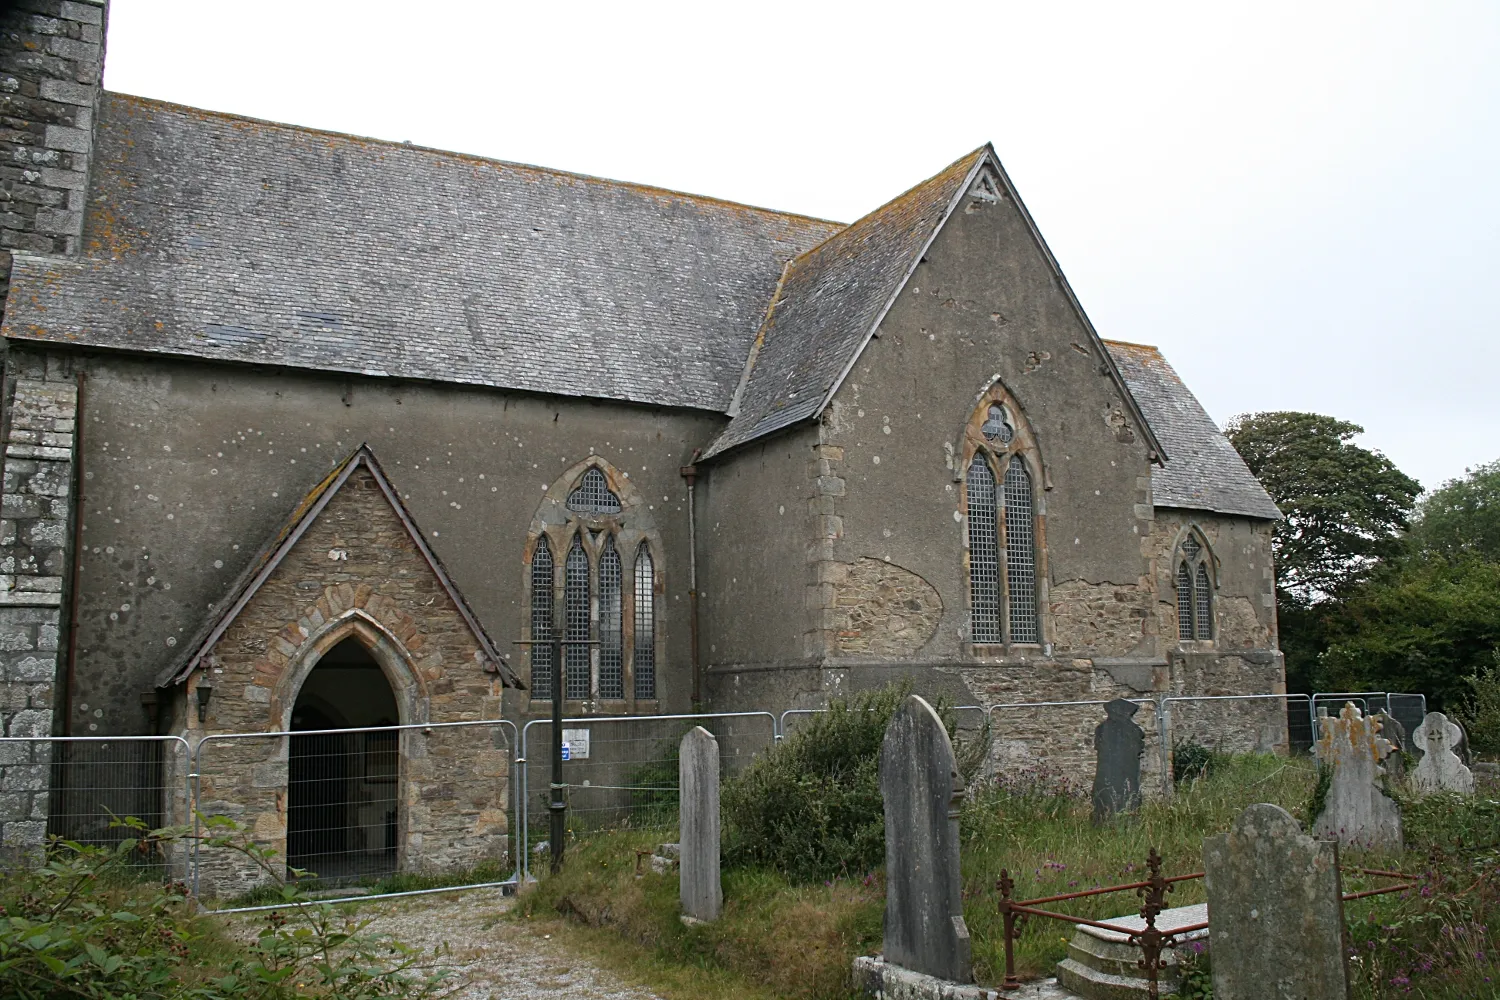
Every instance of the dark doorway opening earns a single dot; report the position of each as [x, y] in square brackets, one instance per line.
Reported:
[343, 821]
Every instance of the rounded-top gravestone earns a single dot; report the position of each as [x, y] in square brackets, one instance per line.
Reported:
[919, 780]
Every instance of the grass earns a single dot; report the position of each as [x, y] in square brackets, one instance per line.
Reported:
[785, 940]
[775, 939]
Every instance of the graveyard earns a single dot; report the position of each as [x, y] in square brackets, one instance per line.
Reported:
[787, 932]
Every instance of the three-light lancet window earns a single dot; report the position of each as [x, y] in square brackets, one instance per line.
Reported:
[590, 603]
[1195, 618]
[1001, 509]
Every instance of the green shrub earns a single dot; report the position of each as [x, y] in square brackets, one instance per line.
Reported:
[811, 808]
[1194, 760]
[82, 925]
[1480, 713]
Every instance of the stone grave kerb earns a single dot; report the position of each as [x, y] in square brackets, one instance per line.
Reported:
[919, 781]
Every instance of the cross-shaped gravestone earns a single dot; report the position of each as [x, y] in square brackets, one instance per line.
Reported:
[1118, 745]
[1440, 769]
[1356, 808]
[924, 923]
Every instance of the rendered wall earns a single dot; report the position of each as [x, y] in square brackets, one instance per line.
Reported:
[189, 468]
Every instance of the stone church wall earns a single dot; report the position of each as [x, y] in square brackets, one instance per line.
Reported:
[190, 467]
[35, 518]
[356, 566]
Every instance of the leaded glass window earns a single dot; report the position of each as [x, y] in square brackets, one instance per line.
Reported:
[996, 427]
[1020, 552]
[1203, 621]
[1184, 602]
[611, 638]
[644, 663]
[1195, 610]
[984, 552]
[576, 612]
[593, 495]
[541, 620]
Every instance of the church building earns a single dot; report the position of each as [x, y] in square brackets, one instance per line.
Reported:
[305, 430]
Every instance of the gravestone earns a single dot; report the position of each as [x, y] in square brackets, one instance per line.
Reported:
[1462, 749]
[1440, 769]
[1356, 808]
[1275, 903]
[919, 780]
[1395, 762]
[698, 825]
[1118, 745]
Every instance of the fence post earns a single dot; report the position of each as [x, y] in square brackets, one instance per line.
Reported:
[1164, 738]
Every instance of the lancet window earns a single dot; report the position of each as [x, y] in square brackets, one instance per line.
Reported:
[1195, 607]
[1001, 516]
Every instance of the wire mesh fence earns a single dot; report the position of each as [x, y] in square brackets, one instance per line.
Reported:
[621, 771]
[382, 809]
[79, 788]
[415, 808]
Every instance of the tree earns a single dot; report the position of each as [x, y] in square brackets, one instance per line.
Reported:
[1424, 623]
[1345, 507]
[1462, 517]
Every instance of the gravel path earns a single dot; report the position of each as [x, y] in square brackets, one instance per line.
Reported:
[493, 957]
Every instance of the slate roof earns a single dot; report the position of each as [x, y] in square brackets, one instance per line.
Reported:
[829, 301]
[1202, 470]
[278, 545]
[227, 238]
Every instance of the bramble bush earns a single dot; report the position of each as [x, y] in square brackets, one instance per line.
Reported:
[82, 926]
[811, 808]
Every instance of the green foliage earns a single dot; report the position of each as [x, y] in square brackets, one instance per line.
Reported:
[1462, 517]
[1197, 979]
[1423, 624]
[811, 808]
[1345, 506]
[80, 926]
[1194, 760]
[1480, 712]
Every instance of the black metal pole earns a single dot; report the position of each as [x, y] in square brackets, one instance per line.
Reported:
[558, 806]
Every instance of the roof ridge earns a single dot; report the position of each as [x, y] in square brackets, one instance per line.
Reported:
[232, 117]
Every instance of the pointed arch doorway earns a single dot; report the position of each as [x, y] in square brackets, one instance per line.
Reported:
[343, 809]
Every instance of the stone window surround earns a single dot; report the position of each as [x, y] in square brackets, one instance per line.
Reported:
[628, 537]
[1022, 447]
[1209, 562]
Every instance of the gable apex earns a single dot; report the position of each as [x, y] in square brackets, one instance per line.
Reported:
[280, 545]
[832, 299]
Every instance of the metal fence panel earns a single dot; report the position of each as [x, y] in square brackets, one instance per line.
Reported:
[1052, 742]
[621, 771]
[77, 787]
[373, 808]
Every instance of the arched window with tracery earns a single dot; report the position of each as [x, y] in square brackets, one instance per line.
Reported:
[1001, 514]
[577, 585]
[1194, 590]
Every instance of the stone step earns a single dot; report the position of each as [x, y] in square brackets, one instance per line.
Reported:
[1102, 964]
[1091, 984]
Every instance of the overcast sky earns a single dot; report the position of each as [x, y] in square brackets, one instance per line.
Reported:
[1299, 203]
